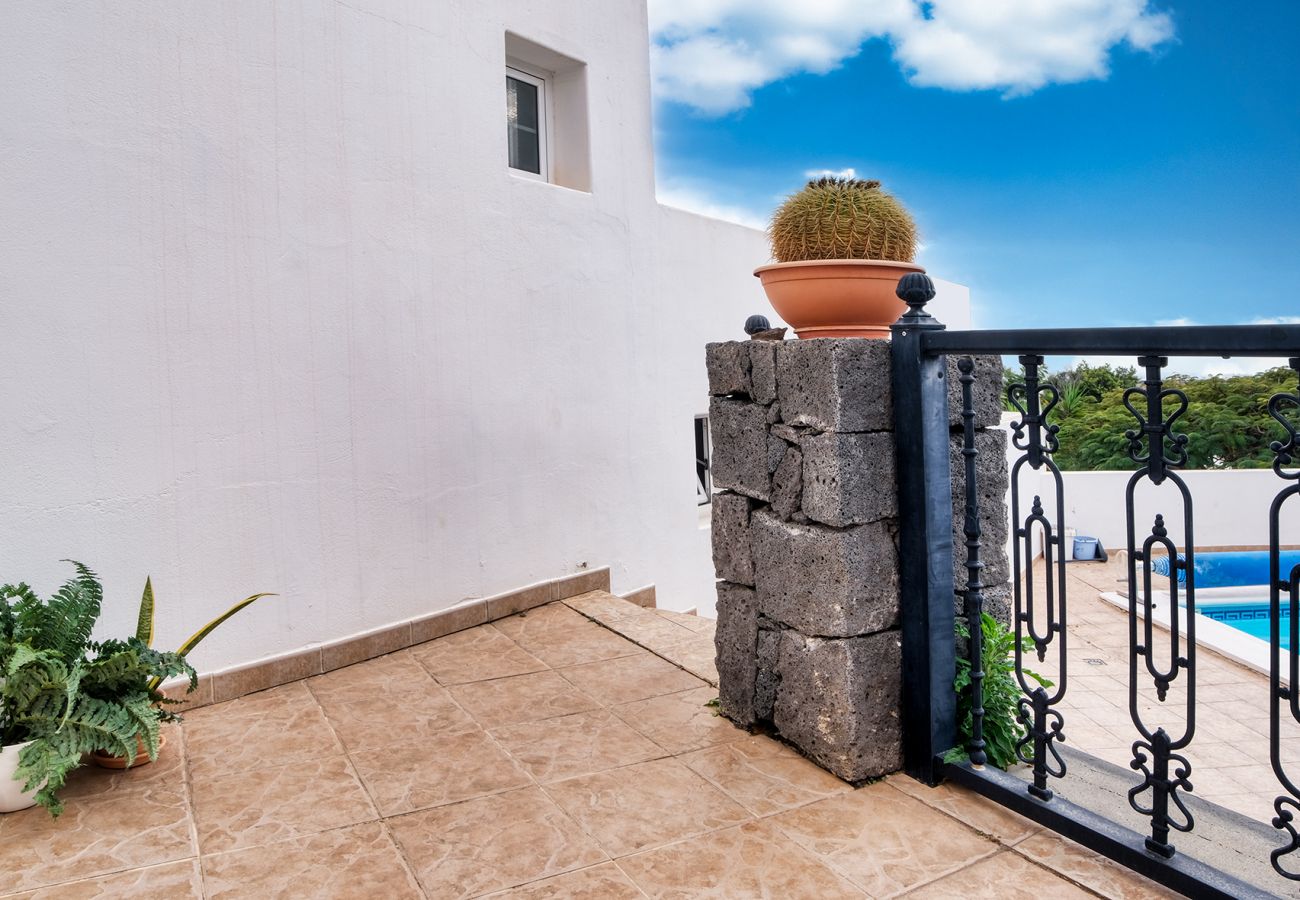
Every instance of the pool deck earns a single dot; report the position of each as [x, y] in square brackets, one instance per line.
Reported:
[1229, 753]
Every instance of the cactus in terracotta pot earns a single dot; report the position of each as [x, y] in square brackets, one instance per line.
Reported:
[842, 218]
[841, 245]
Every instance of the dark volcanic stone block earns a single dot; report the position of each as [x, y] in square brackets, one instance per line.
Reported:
[986, 391]
[835, 384]
[732, 560]
[787, 484]
[992, 479]
[736, 639]
[838, 701]
[728, 364]
[740, 447]
[762, 370]
[849, 479]
[825, 581]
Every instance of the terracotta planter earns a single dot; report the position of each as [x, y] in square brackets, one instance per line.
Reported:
[836, 297]
[108, 761]
[12, 795]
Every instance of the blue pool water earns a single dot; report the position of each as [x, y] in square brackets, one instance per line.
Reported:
[1250, 618]
[1238, 568]
[1230, 569]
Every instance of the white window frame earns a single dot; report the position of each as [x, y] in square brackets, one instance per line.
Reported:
[541, 81]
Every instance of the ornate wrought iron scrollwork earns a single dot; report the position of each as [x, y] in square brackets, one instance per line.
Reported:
[1154, 429]
[1164, 788]
[1035, 437]
[1284, 696]
[1158, 448]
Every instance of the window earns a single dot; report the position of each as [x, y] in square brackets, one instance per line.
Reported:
[526, 131]
[546, 115]
[703, 480]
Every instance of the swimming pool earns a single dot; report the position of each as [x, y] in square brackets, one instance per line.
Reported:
[1251, 618]
[1232, 588]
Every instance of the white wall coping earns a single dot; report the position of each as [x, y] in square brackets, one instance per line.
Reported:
[1242, 648]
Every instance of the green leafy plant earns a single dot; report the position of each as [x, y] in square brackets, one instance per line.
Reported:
[842, 218]
[1002, 730]
[68, 695]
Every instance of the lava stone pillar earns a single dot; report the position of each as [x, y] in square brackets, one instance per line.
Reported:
[805, 542]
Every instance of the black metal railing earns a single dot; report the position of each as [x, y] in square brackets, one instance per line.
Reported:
[1162, 748]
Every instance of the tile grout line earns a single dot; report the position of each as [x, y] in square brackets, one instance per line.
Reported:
[535, 783]
[646, 647]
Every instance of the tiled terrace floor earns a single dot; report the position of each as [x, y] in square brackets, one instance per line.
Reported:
[544, 755]
[1230, 750]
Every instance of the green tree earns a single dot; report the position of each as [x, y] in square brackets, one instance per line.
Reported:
[1226, 422]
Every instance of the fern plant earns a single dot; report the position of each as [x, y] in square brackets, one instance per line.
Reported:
[1001, 694]
[66, 694]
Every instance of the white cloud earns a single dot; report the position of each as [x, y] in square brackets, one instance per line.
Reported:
[697, 200]
[850, 172]
[712, 54]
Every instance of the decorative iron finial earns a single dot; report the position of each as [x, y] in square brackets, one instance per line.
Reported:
[916, 289]
[755, 324]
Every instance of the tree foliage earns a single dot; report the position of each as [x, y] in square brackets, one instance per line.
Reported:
[1226, 422]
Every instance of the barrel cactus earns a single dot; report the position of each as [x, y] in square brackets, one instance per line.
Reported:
[842, 218]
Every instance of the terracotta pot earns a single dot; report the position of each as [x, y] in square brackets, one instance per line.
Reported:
[12, 795]
[108, 761]
[836, 297]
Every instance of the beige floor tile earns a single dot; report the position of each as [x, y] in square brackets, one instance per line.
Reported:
[344, 864]
[286, 734]
[750, 860]
[697, 656]
[521, 698]
[167, 771]
[603, 882]
[483, 845]
[1095, 872]
[603, 606]
[580, 744]
[970, 808]
[543, 620]
[245, 809]
[680, 722]
[93, 837]
[405, 777]
[764, 776]
[371, 724]
[630, 678]
[169, 881]
[645, 805]
[695, 623]
[476, 654]
[652, 630]
[884, 841]
[276, 701]
[581, 642]
[395, 675]
[1006, 876]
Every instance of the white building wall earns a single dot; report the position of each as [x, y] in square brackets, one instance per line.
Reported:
[279, 318]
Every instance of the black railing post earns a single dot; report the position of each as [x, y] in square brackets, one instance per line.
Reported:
[921, 436]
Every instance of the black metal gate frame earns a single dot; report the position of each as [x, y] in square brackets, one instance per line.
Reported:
[920, 347]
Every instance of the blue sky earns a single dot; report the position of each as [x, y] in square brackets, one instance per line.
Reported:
[1122, 163]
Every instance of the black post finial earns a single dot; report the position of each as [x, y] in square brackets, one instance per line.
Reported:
[755, 324]
[916, 290]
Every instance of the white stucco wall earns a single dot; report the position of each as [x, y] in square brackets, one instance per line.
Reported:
[279, 318]
[1231, 506]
